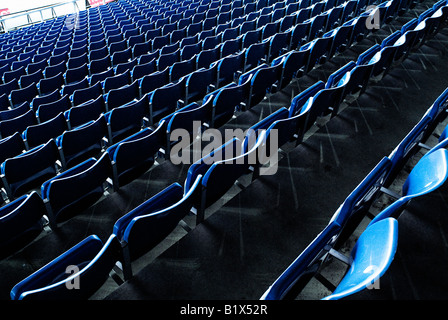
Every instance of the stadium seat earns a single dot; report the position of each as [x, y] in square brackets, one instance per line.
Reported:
[21, 221]
[121, 96]
[125, 120]
[83, 95]
[27, 94]
[83, 142]
[94, 260]
[11, 146]
[199, 83]
[151, 222]
[76, 189]
[17, 124]
[38, 134]
[85, 112]
[50, 110]
[428, 174]
[48, 85]
[28, 170]
[151, 82]
[76, 74]
[370, 258]
[165, 100]
[135, 155]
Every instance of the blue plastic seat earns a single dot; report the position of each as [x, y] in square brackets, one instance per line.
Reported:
[7, 87]
[254, 132]
[121, 96]
[83, 95]
[298, 274]
[17, 124]
[54, 70]
[151, 82]
[182, 68]
[206, 57]
[228, 99]
[356, 207]
[99, 65]
[28, 170]
[141, 70]
[223, 172]
[78, 61]
[165, 100]
[299, 101]
[116, 81]
[27, 94]
[151, 222]
[299, 34]
[11, 146]
[263, 82]
[199, 83]
[167, 60]
[430, 173]
[293, 65]
[135, 155]
[38, 134]
[21, 221]
[121, 56]
[279, 44]
[83, 142]
[95, 261]
[383, 59]
[48, 85]
[47, 111]
[76, 189]
[185, 119]
[85, 112]
[13, 74]
[117, 46]
[76, 74]
[319, 49]
[370, 258]
[126, 120]
[29, 78]
[255, 55]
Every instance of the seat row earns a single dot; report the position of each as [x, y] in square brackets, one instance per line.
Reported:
[428, 174]
[81, 92]
[191, 185]
[70, 74]
[218, 107]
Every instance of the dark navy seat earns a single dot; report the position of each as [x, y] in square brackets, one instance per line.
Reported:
[136, 154]
[38, 134]
[151, 222]
[76, 189]
[94, 260]
[83, 142]
[28, 170]
[126, 120]
[21, 221]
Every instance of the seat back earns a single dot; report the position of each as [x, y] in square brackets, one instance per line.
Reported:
[20, 222]
[372, 255]
[298, 274]
[126, 120]
[122, 96]
[38, 134]
[77, 188]
[17, 124]
[94, 260]
[135, 155]
[166, 99]
[80, 143]
[28, 170]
